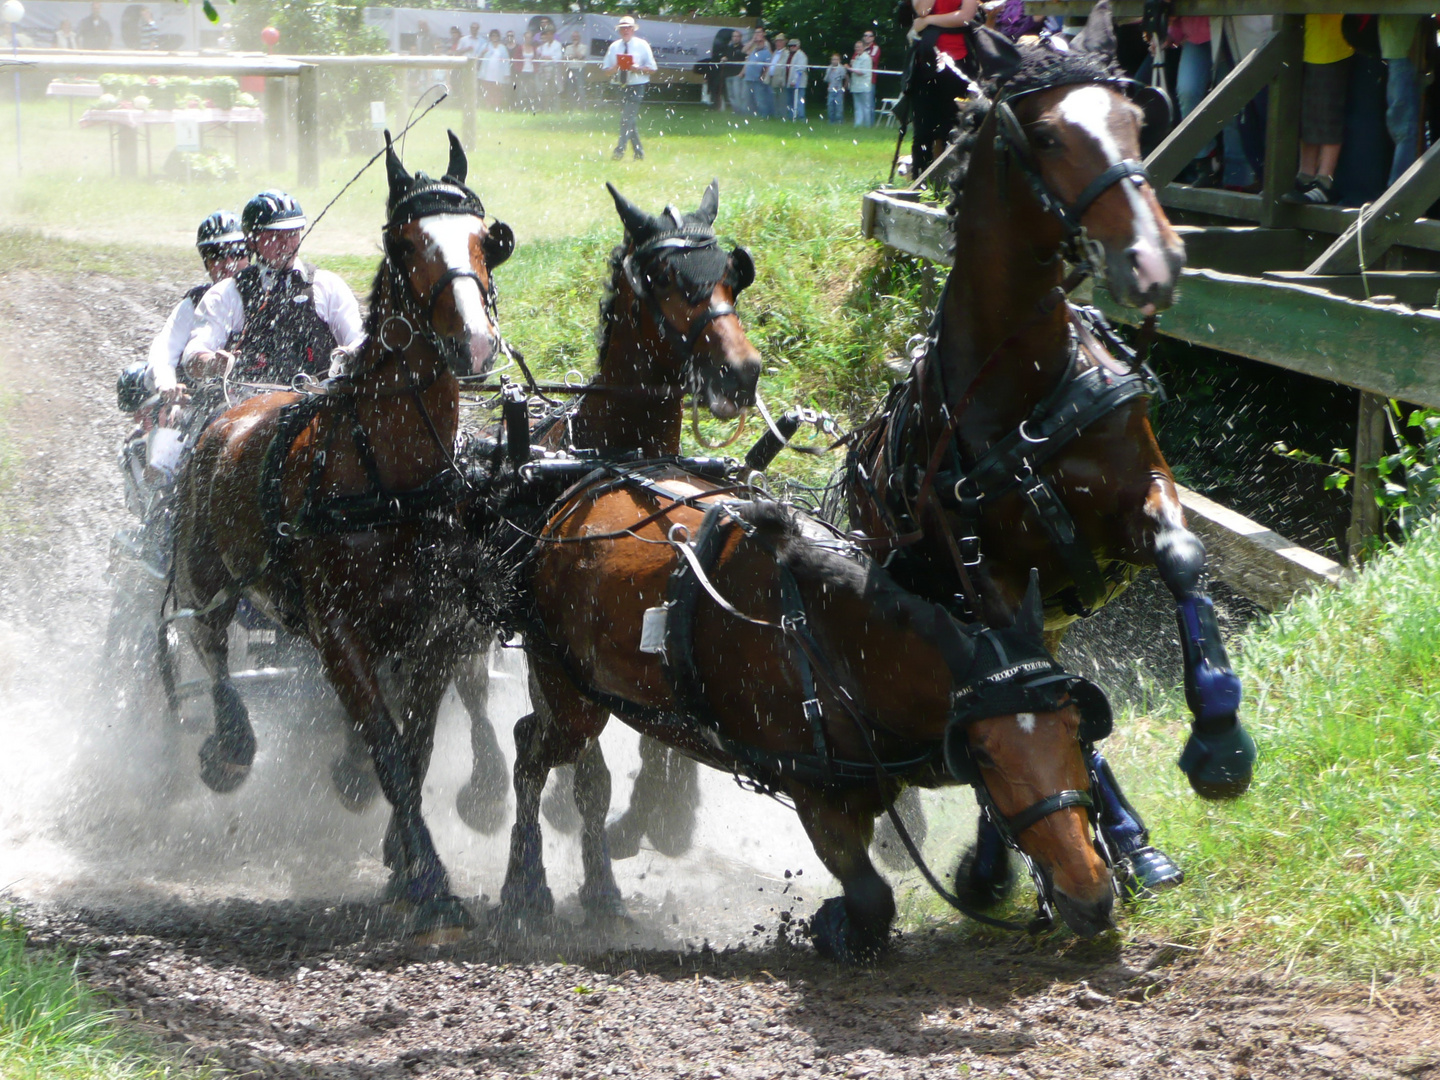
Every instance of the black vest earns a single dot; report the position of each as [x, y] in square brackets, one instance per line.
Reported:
[283, 335]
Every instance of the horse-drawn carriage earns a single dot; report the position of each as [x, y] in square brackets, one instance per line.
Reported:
[674, 593]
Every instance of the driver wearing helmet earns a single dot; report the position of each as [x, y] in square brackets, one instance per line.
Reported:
[280, 316]
[222, 248]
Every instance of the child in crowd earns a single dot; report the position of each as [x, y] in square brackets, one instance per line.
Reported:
[835, 90]
[1325, 77]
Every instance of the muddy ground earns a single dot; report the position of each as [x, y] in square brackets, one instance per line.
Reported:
[246, 933]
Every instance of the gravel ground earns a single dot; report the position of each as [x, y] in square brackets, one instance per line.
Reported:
[244, 931]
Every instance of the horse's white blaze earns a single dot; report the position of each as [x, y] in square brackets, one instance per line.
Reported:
[1089, 108]
[1026, 720]
[449, 239]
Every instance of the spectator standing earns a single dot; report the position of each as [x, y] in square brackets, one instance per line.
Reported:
[759, 101]
[549, 68]
[631, 60]
[937, 83]
[471, 43]
[455, 45]
[1325, 77]
[495, 72]
[94, 31]
[835, 90]
[862, 86]
[1232, 38]
[797, 77]
[775, 75]
[65, 37]
[1402, 89]
[522, 63]
[1014, 23]
[575, 69]
[734, 71]
[1192, 82]
[424, 39]
[149, 30]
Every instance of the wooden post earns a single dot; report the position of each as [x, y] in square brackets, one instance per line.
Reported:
[275, 122]
[1369, 447]
[307, 126]
[1282, 128]
[469, 76]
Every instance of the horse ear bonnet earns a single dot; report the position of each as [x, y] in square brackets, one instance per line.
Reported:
[1098, 37]
[499, 244]
[418, 196]
[996, 56]
[742, 270]
[682, 243]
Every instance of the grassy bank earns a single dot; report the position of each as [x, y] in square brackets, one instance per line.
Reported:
[53, 1027]
[1332, 862]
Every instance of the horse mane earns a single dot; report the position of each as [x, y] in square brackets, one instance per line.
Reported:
[831, 563]
[607, 304]
[1042, 67]
[371, 326]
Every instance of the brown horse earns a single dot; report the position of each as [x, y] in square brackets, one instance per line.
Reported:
[1018, 440]
[334, 513]
[668, 330]
[847, 689]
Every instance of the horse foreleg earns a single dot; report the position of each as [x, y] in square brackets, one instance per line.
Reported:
[854, 928]
[229, 751]
[482, 801]
[1219, 756]
[662, 804]
[599, 895]
[350, 666]
[555, 733]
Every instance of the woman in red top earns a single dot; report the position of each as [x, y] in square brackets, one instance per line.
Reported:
[936, 83]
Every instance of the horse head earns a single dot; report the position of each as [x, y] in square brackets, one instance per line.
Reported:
[674, 266]
[441, 256]
[1019, 730]
[1075, 128]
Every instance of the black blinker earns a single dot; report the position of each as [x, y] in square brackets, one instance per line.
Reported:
[498, 245]
[742, 268]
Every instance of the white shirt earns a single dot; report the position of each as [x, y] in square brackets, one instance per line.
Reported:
[799, 74]
[468, 46]
[637, 47]
[553, 51]
[221, 314]
[168, 344]
[861, 79]
[495, 63]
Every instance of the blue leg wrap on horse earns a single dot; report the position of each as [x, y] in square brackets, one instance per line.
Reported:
[1212, 689]
[1123, 830]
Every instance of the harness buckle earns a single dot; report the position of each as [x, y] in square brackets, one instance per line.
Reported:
[970, 550]
[814, 714]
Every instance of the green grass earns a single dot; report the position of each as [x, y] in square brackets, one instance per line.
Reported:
[53, 1027]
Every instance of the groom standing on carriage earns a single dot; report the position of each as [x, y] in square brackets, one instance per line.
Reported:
[278, 318]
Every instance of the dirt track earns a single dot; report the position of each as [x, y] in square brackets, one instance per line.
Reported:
[274, 987]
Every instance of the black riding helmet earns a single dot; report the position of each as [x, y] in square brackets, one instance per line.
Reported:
[271, 210]
[220, 230]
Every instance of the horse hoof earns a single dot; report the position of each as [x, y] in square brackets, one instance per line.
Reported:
[525, 905]
[983, 884]
[355, 784]
[1220, 765]
[673, 834]
[483, 810]
[442, 921]
[835, 937]
[622, 837]
[221, 774]
[1151, 872]
[606, 908]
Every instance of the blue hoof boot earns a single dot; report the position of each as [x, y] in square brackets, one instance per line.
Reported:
[1220, 765]
[1151, 872]
[441, 921]
[836, 938]
[224, 764]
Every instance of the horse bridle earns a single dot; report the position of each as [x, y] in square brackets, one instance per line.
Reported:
[683, 342]
[400, 287]
[1011, 136]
